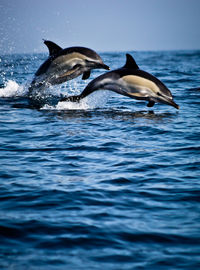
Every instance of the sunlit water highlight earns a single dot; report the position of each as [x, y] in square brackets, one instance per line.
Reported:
[106, 183]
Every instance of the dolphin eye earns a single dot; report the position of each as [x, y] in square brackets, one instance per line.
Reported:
[76, 66]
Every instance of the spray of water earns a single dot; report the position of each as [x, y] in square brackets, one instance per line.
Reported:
[95, 100]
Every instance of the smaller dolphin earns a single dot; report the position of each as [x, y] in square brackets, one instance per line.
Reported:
[132, 82]
[65, 64]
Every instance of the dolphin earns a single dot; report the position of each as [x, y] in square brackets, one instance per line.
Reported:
[129, 81]
[65, 64]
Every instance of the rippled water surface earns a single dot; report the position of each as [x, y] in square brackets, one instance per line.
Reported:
[107, 184]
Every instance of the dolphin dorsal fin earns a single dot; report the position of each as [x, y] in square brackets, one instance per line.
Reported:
[130, 62]
[53, 47]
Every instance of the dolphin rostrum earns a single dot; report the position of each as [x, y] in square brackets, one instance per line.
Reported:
[65, 64]
[129, 81]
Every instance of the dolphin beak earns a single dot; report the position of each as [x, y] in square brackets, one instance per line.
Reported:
[172, 103]
[168, 101]
[104, 66]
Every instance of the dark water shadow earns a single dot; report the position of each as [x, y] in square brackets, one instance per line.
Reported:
[120, 115]
[15, 102]
[194, 89]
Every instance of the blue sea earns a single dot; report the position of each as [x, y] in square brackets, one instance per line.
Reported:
[105, 184]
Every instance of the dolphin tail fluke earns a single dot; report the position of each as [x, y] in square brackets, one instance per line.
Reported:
[71, 98]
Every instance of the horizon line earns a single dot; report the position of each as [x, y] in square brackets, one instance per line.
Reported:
[108, 51]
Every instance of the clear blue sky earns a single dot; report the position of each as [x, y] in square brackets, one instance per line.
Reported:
[104, 25]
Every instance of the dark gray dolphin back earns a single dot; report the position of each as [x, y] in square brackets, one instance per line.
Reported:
[82, 50]
[55, 50]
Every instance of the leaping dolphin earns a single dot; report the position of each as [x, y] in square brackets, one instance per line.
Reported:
[65, 64]
[129, 81]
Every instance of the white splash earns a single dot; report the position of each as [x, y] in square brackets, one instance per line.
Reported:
[95, 100]
[82, 105]
[12, 89]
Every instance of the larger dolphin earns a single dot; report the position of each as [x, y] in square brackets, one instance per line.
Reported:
[65, 64]
[130, 81]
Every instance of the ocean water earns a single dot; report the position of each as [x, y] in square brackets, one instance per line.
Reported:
[105, 184]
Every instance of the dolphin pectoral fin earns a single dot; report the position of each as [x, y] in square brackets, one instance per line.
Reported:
[150, 103]
[53, 47]
[86, 75]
